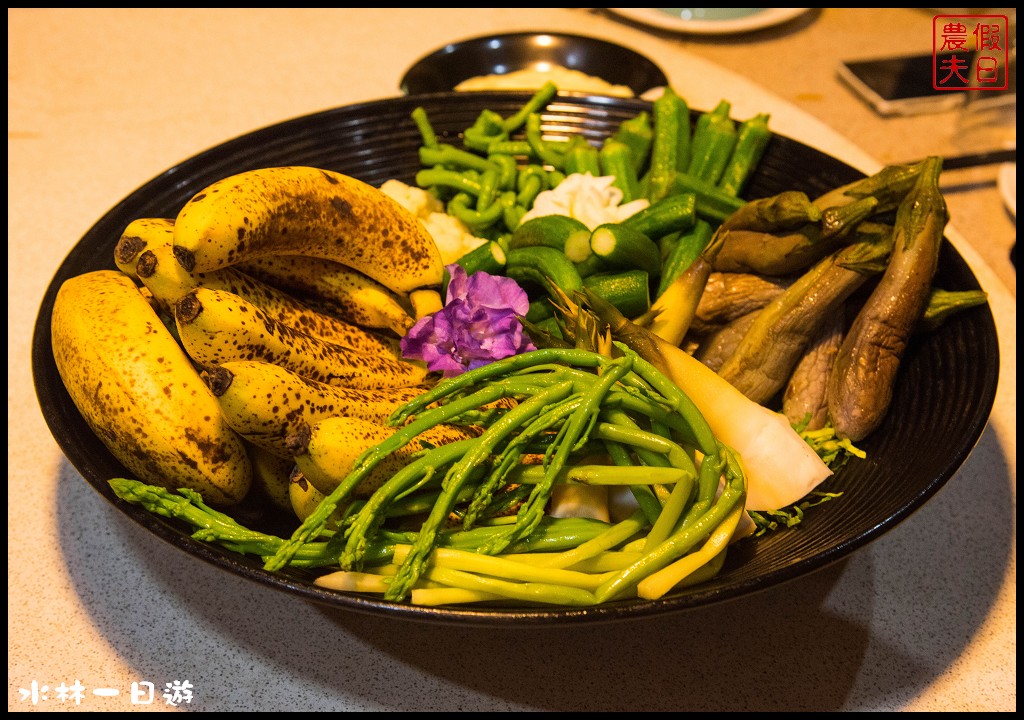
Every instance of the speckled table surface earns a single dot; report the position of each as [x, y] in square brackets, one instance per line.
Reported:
[99, 101]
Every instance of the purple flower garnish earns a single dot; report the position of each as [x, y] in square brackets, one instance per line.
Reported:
[477, 325]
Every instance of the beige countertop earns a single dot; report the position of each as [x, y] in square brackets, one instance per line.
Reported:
[101, 100]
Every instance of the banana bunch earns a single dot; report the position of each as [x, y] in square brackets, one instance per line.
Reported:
[274, 300]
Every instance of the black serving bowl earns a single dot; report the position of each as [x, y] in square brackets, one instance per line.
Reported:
[942, 400]
[443, 69]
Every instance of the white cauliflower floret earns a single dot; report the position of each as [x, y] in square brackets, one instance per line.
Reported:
[452, 237]
[416, 200]
[591, 200]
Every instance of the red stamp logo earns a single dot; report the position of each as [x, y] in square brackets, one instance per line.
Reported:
[970, 52]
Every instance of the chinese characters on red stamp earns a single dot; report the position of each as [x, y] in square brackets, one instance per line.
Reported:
[970, 52]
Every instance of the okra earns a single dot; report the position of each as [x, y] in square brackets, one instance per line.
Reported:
[673, 214]
[637, 134]
[713, 205]
[616, 160]
[623, 247]
[752, 138]
[671, 143]
[713, 140]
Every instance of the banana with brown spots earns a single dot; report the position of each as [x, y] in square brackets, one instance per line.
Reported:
[326, 451]
[266, 403]
[169, 282]
[299, 210]
[337, 289]
[216, 326]
[141, 235]
[138, 391]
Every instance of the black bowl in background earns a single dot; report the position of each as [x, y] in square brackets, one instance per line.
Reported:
[443, 69]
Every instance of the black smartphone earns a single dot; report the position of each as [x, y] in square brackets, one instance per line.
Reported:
[899, 85]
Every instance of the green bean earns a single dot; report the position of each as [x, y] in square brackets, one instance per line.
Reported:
[551, 535]
[711, 468]
[530, 182]
[508, 170]
[512, 212]
[488, 128]
[678, 500]
[651, 442]
[602, 475]
[489, 188]
[547, 151]
[460, 207]
[644, 496]
[427, 134]
[682, 404]
[511, 148]
[453, 158]
[544, 94]
[526, 591]
[610, 538]
[441, 177]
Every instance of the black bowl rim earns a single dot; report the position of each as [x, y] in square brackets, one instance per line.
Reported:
[412, 84]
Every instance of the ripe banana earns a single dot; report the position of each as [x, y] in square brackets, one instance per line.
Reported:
[140, 235]
[217, 326]
[157, 269]
[271, 476]
[266, 403]
[305, 498]
[336, 288]
[309, 211]
[139, 393]
[326, 451]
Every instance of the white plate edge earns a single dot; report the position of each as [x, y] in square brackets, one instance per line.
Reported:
[652, 17]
